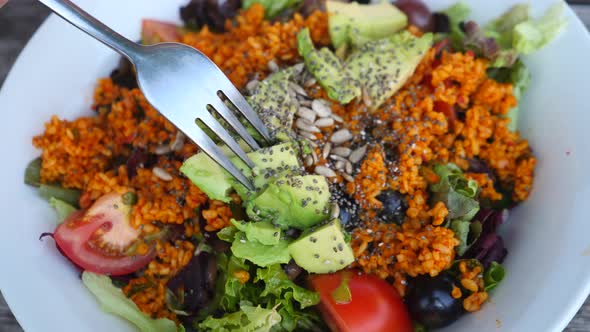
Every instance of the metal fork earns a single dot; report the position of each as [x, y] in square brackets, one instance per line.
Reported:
[174, 78]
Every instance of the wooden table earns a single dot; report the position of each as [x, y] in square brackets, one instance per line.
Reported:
[20, 18]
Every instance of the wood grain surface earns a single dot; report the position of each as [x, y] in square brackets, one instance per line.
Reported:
[20, 18]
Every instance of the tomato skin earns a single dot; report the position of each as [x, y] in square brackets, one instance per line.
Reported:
[153, 32]
[72, 239]
[375, 305]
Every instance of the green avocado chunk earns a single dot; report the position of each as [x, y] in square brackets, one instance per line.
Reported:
[357, 24]
[294, 201]
[327, 69]
[324, 250]
[274, 105]
[383, 66]
[271, 163]
[208, 176]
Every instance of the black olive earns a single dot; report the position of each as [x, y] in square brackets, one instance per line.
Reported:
[394, 206]
[430, 303]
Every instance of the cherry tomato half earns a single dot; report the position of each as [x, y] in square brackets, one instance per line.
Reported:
[98, 239]
[374, 305]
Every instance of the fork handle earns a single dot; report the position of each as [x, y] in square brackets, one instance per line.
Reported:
[93, 27]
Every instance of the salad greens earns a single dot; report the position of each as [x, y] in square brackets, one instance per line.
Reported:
[457, 192]
[112, 300]
[62, 208]
[533, 34]
[70, 196]
[248, 319]
[493, 275]
[33, 172]
[269, 288]
[459, 195]
[273, 8]
[504, 40]
[257, 242]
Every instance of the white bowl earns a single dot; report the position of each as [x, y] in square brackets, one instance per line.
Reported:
[547, 237]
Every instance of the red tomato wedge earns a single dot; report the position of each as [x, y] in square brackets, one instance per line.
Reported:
[374, 305]
[153, 32]
[97, 239]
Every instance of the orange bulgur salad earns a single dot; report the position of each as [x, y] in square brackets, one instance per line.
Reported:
[395, 161]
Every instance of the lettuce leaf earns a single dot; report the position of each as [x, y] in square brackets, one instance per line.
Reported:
[520, 77]
[467, 232]
[276, 281]
[269, 288]
[258, 253]
[502, 28]
[249, 244]
[112, 300]
[62, 209]
[273, 8]
[263, 232]
[457, 192]
[457, 13]
[531, 35]
[493, 275]
[248, 319]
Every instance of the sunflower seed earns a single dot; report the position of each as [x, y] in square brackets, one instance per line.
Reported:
[320, 108]
[339, 165]
[308, 161]
[308, 135]
[178, 143]
[367, 98]
[348, 167]
[347, 177]
[312, 143]
[326, 150]
[309, 82]
[297, 88]
[334, 211]
[336, 118]
[324, 122]
[306, 113]
[272, 66]
[314, 156]
[337, 158]
[299, 68]
[162, 174]
[162, 149]
[324, 171]
[358, 154]
[306, 126]
[252, 85]
[342, 151]
[341, 136]
[304, 102]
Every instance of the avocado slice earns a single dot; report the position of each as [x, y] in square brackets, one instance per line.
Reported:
[383, 66]
[275, 106]
[208, 176]
[271, 163]
[324, 250]
[293, 201]
[327, 69]
[357, 24]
